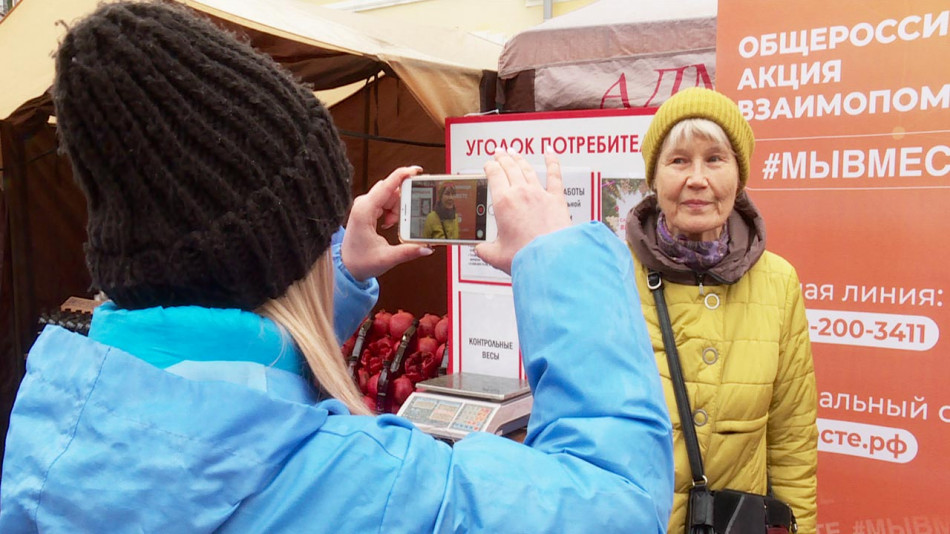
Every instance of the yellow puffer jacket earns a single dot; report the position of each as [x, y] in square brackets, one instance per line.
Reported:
[747, 363]
[438, 228]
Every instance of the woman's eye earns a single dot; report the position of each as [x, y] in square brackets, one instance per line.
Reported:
[678, 160]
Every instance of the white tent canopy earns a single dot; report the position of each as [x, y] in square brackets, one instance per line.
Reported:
[576, 61]
[442, 68]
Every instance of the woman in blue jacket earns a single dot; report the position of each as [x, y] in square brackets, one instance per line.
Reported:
[215, 184]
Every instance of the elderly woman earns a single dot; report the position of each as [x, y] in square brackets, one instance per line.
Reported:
[736, 309]
[442, 222]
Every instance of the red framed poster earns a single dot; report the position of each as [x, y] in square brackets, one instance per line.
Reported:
[603, 176]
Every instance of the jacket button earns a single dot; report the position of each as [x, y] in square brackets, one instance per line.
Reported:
[700, 417]
[710, 355]
[711, 301]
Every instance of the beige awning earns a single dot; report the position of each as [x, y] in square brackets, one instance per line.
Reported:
[441, 67]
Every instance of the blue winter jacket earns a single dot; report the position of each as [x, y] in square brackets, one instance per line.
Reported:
[102, 440]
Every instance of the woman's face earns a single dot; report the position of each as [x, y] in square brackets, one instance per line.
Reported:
[448, 198]
[696, 181]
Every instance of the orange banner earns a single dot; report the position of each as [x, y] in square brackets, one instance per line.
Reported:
[850, 104]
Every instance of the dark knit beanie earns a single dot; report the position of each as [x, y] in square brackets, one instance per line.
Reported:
[212, 177]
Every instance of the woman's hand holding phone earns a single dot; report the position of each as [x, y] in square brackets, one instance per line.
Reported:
[365, 253]
[446, 209]
[523, 208]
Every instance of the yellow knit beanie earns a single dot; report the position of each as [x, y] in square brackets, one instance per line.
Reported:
[699, 103]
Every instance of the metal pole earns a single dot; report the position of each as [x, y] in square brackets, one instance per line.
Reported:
[548, 9]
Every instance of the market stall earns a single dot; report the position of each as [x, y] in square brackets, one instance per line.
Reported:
[399, 83]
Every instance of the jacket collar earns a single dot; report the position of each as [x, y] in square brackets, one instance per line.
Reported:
[746, 243]
[165, 337]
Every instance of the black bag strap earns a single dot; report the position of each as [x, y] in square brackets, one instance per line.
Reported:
[655, 283]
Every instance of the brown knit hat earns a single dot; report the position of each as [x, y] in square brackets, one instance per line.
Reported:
[212, 177]
[699, 103]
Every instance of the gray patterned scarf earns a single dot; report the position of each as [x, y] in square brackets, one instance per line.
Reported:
[697, 255]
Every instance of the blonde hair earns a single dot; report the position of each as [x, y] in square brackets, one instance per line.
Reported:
[305, 311]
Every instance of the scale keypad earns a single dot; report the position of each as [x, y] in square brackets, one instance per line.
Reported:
[472, 417]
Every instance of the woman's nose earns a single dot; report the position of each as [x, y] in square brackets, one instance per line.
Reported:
[697, 175]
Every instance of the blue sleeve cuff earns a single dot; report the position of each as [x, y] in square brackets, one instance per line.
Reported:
[352, 299]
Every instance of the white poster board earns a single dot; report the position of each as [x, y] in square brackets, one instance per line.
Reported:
[603, 174]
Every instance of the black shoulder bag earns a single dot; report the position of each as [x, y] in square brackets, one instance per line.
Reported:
[722, 511]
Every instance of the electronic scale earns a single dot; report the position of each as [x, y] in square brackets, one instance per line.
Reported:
[450, 407]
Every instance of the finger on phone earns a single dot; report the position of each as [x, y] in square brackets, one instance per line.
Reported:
[554, 182]
[497, 180]
[382, 191]
[391, 213]
[512, 168]
[527, 170]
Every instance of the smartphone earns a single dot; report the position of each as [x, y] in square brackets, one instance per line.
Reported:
[446, 209]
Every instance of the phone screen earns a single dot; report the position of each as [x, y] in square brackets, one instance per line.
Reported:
[446, 208]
